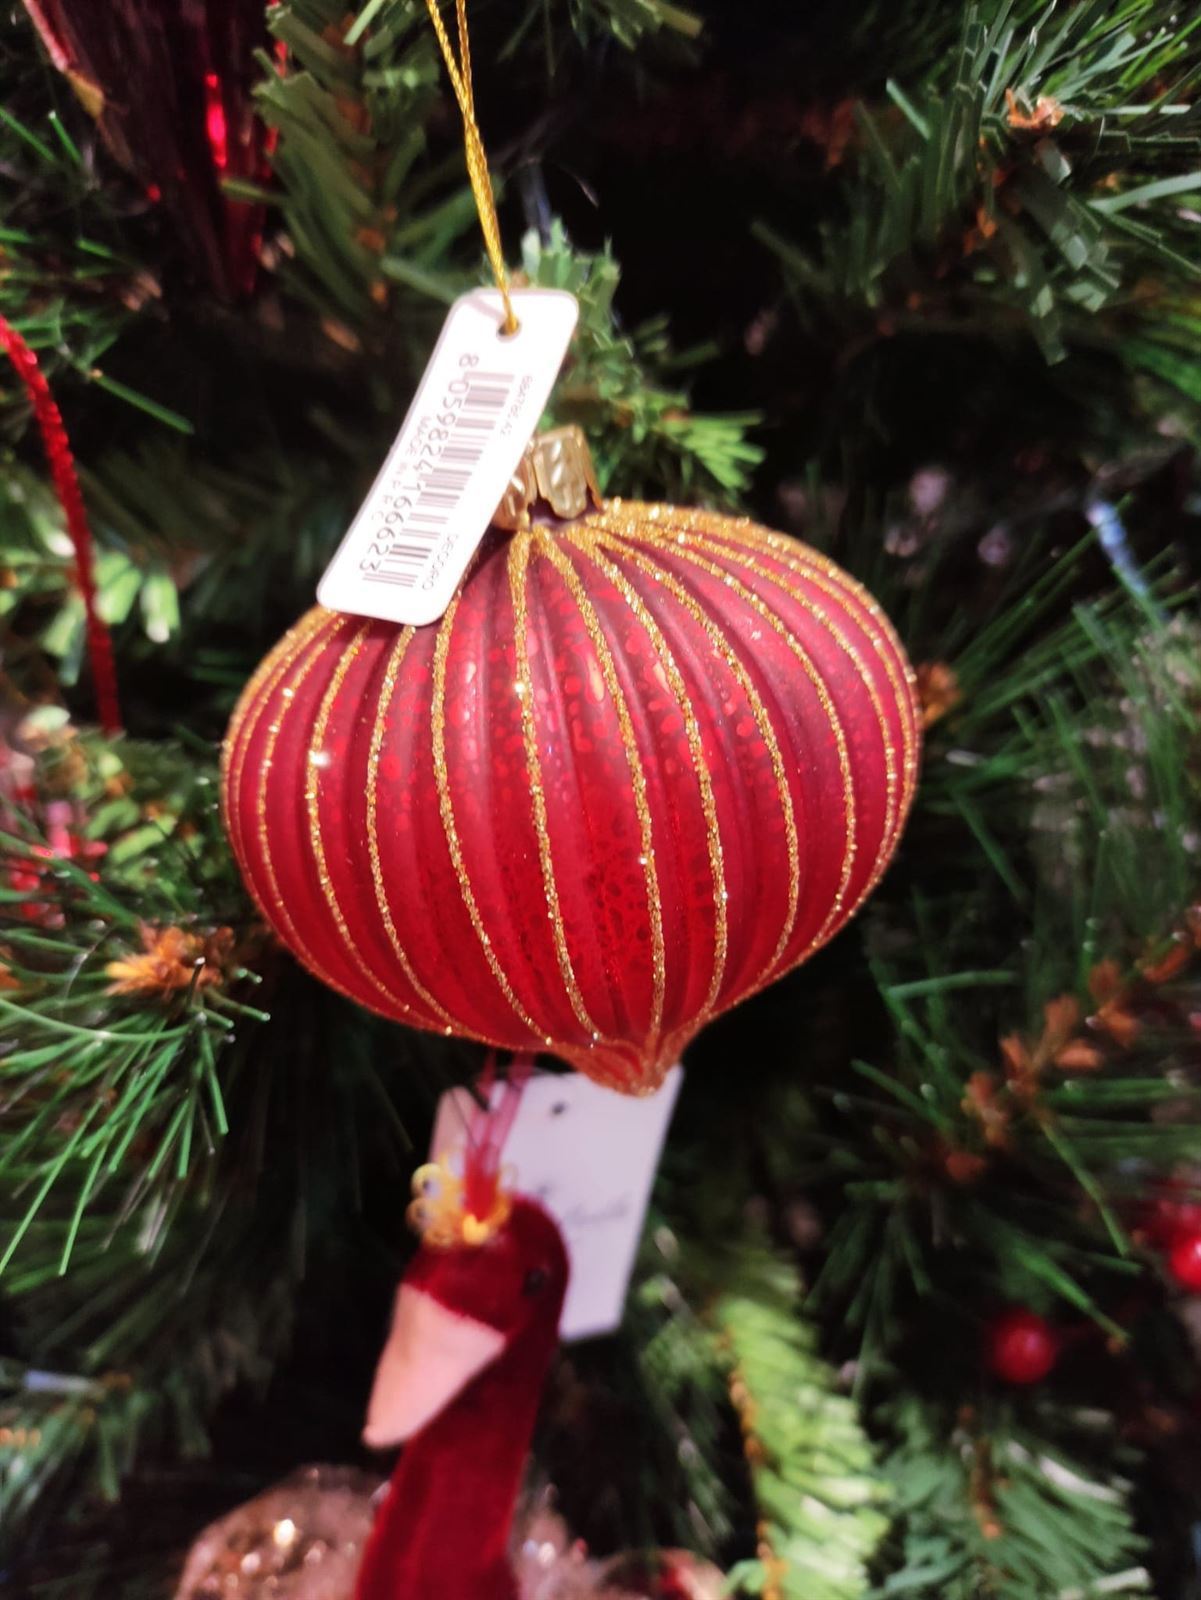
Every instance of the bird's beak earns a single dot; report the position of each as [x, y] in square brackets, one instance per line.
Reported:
[431, 1355]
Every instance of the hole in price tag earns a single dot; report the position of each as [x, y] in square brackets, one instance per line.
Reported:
[474, 412]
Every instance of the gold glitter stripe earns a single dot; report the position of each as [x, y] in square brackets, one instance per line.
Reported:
[803, 558]
[590, 550]
[517, 565]
[684, 552]
[892, 819]
[391, 673]
[767, 733]
[252, 700]
[730, 537]
[892, 658]
[592, 626]
[654, 522]
[248, 713]
[274, 730]
[839, 584]
[446, 809]
[312, 795]
[896, 667]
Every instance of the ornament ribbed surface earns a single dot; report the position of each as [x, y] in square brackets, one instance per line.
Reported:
[648, 761]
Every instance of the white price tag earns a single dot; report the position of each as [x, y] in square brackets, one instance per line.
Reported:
[474, 412]
[589, 1156]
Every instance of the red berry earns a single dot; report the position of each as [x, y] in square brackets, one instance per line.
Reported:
[1022, 1346]
[1184, 1261]
[1174, 1210]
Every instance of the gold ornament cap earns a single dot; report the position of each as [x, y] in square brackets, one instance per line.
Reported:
[556, 470]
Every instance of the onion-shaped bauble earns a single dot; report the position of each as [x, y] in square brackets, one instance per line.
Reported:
[649, 760]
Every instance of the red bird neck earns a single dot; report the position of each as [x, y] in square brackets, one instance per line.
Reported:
[443, 1528]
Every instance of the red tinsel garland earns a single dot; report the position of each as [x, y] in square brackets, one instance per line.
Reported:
[171, 87]
[66, 484]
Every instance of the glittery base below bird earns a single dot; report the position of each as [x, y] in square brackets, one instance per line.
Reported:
[458, 1385]
[303, 1539]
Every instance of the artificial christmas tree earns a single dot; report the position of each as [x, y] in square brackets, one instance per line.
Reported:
[930, 280]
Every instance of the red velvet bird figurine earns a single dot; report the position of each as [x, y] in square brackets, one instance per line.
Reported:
[475, 1327]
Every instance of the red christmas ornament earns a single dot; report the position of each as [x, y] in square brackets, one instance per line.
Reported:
[1022, 1347]
[649, 760]
[1184, 1261]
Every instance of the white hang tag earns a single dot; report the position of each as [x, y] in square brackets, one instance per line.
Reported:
[589, 1156]
[475, 410]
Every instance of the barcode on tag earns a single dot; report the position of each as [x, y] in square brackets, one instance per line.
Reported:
[483, 397]
[474, 412]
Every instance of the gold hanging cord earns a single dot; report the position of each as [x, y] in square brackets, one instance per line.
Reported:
[477, 161]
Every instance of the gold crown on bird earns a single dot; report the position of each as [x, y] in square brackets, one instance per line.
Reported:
[441, 1211]
[465, 1197]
